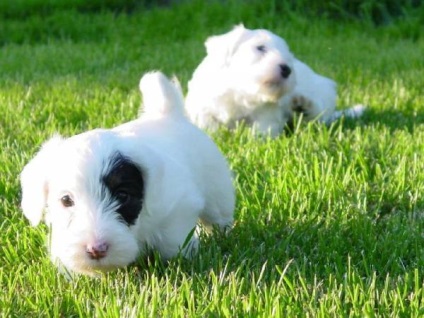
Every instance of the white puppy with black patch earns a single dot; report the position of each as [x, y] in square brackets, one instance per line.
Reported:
[110, 195]
[251, 76]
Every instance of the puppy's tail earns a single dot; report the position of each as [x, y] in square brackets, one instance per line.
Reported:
[352, 112]
[161, 96]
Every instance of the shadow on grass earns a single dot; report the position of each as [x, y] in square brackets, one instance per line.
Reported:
[392, 119]
[314, 249]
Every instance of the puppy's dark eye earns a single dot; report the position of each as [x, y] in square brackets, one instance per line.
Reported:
[67, 201]
[261, 48]
[122, 196]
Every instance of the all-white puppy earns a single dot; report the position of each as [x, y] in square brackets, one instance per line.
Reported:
[111, 194]
[251, 75]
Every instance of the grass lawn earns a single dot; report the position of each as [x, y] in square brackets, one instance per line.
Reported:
[329, 220]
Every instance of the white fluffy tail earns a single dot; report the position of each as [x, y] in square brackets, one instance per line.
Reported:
[161, 96]
[353, 112]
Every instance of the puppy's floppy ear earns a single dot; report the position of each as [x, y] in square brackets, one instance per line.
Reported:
[34, 181]
[222, 47]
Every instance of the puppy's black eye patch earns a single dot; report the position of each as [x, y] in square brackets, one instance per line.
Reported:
[125, 183]
[122, 196]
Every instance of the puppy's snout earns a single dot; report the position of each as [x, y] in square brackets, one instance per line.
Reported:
[285, 70]
[98, 250]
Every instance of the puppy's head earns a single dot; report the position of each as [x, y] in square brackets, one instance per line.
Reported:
[256, 62]
[92, 194]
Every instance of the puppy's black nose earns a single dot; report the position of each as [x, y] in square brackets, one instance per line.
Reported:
[285, 70]
[97, 251]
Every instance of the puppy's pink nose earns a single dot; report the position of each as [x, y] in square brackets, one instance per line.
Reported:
[97, 250]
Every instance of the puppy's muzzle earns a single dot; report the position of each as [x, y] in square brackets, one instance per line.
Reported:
[285, 70]
[97, 251]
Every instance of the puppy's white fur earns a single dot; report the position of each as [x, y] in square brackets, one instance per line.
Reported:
[185, 178]
[244, 77]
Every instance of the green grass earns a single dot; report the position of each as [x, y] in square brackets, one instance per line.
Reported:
[329, 220]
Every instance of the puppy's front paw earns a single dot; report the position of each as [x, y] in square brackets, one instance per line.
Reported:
[301, 105]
